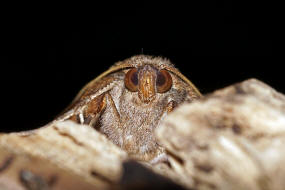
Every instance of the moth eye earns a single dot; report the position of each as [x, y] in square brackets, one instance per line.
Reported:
[163, 81]
[131, 80]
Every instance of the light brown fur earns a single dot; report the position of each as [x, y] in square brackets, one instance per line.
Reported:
[124, 116]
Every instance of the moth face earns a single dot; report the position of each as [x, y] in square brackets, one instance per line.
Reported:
[131, 99]
[147, 81]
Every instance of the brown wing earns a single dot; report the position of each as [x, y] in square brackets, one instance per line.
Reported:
[185, 79]
[96, 84]
[90, 100]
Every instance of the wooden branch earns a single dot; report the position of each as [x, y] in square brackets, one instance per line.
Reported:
[64, 155]
[233, 139]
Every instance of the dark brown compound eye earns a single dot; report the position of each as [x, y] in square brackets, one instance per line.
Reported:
[163, 81]
[131, 80]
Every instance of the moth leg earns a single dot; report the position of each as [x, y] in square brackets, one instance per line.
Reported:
[94, 109]
[91, 112]
[161, 158]
[112, 105]
[80, 117]
[170, 106]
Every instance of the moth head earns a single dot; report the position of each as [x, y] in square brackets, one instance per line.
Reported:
[144, 74]
[148, 80]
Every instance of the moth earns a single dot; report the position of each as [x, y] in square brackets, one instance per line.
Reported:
[128, 101]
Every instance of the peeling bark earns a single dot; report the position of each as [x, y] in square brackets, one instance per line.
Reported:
[231, 139]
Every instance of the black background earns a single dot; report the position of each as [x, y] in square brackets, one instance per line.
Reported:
[48, 56]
